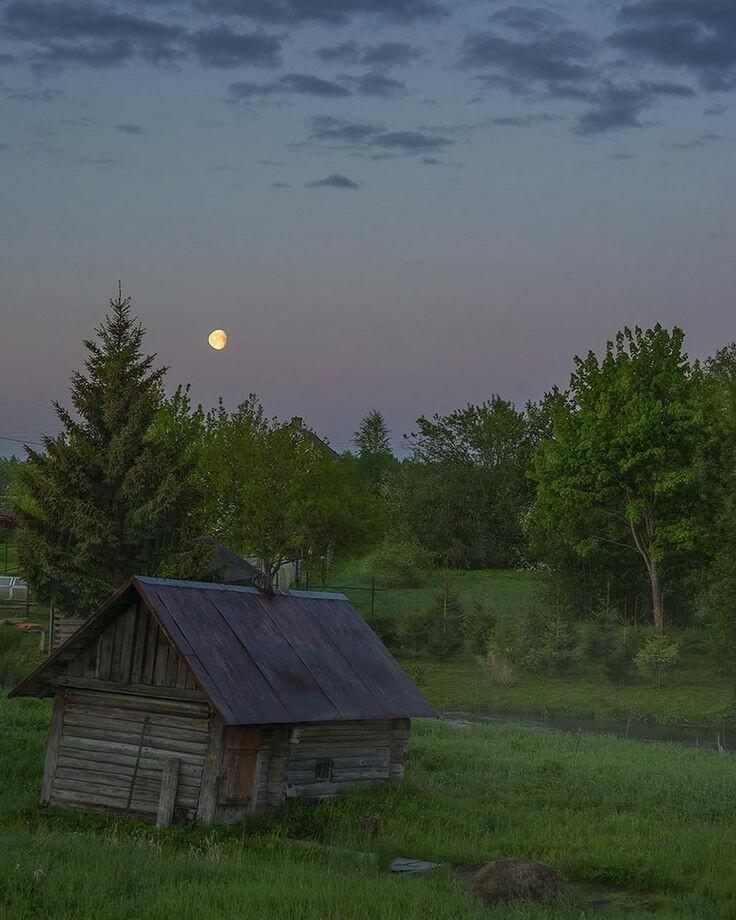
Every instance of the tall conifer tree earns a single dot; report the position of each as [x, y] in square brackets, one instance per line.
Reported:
[105, 500]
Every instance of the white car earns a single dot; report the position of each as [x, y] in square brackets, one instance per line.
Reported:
[13, 588]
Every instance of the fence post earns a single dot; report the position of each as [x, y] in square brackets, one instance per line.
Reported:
[373, 596]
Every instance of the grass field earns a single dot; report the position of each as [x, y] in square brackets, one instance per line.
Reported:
[652, 827]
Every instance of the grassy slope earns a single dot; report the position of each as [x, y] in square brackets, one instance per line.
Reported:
[650, 818]
[694, 695]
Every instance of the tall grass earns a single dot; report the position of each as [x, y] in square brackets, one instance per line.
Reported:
[656, 821]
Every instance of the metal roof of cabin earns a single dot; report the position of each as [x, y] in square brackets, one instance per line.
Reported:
[298, 656]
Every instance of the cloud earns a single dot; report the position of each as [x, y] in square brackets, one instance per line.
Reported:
[301, 84]
[98, 55]
[329, 128]
[410, 141]
[375, 84]
[558, 61]
[36, 95]
[6, 60]
[280, 185]
[290, 84]
[5, 147]
[88, 34]
[334, 12]
[373, 138]
[699, 35]
[616, 107]
[220, 47]
[701, 141]
[716, 109]
[130, 129]
[383, 56]
[334, 180]
[527, 19]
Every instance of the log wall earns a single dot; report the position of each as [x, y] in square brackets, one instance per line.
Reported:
[357, 753]
[111, 752]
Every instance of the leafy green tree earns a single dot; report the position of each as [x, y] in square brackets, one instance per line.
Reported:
[105, 500]
[465, 488]
[717, 598]
[623, 467]
[270, 490]
[398, 561]
[657, 658]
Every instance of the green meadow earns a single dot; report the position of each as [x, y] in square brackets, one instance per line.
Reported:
[693, 695]
[641, 827]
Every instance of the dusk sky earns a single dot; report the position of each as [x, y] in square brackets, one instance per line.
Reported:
[404, 204]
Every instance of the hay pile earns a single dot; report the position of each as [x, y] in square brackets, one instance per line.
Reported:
[518, 879]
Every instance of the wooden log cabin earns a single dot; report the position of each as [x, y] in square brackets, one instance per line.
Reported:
[184, 702]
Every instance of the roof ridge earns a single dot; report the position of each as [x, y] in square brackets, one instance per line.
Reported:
[243, 589]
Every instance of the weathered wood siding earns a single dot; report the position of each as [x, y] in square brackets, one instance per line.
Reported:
[133, 650]
[358, 753]
[127, 708]
[113, 748]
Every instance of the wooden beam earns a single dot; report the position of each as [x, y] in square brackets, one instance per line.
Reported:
[169, 782]
[211, 772]
[93, 683]
[52, 751]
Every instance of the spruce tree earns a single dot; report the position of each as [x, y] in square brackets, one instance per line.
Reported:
[105, 499]
[376, 461]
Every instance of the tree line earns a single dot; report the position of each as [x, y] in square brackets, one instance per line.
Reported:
[621, 486]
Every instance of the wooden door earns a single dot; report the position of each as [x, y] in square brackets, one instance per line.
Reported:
[240, 766]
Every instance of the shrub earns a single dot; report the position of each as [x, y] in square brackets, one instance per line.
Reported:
[399, 561]
[623, 643]
[540, 641]
[386, 629]
[437, 631]
[15, 658]
[477, 626]
[657, 658]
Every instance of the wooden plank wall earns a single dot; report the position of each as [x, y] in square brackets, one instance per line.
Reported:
[399, 747]
[361, 753]
[113, 749]
[134, 650]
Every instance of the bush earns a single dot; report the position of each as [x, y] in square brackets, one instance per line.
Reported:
[657, 658]
[386, 629]
[540, 641]
[399, 561]
[477, 626]
[623, 642]
[436, 631]
[16, 660]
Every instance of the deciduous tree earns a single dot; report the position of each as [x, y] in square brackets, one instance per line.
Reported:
[622, 466]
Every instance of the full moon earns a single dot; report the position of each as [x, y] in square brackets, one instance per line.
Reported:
[218, 339]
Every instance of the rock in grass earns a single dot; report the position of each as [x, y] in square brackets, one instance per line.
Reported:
[404, 866]
[518, 879]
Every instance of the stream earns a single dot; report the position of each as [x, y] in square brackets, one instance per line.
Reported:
[709, 737]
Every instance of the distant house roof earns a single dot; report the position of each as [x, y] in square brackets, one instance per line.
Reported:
[298, 656]
[297, 424]
[228, 567]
